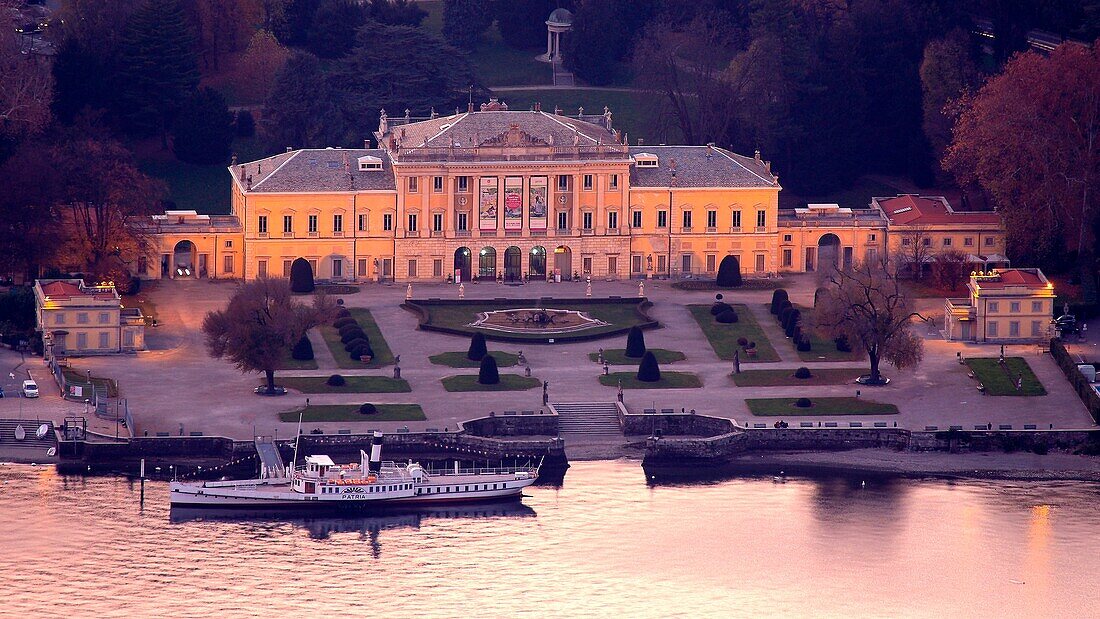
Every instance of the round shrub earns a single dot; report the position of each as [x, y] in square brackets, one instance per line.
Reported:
[803, 372]
[356, 343]
[778, 296]
[719, 307]
[803, 403]
[368, 409]
[340, 302]
[353, 335]
[750, 346]
[804, 345]
[842, 344]
[792, 322]
[303, 350]
[796, 334]
[336, 381]
[741, 341]
[301, 276]
[719, 296]
[343, 321]
[487, 373]
[727, 317]
[784, 315]
[348, 326]
[363, 353]
[635, 343]
[342, 312]
[729, 273]
[648, 370]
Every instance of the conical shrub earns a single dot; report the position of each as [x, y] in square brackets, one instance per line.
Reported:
[487, 374]
[477, 349]
[648, 370]
[303, 350]
[635, 343]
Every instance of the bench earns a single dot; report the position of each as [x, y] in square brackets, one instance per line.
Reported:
[981, 427]
[163, 434]
[196, 434]
[1005, 426]
[402, 430]
[830, 424]
[955, 428]
[806, 424]
[345, 431]
[509, 412]
[931, 428]
[668, 411]
[855, 424]
[880, 424]
[1030, 426]
[650, 411]
[759, 425]
[527, 412]
[431, 429]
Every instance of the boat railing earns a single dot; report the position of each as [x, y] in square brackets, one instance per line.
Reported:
[505, 470]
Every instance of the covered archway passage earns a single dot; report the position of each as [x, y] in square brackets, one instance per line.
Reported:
[462, 264]
[828, 251]
[487, 263]
[563, 263]
[536, 262]
[183, 259]
[513, 264]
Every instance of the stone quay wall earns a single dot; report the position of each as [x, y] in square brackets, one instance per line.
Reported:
[541, 424]
[675, 424]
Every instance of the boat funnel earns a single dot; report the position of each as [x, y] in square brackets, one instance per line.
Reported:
[376, 452]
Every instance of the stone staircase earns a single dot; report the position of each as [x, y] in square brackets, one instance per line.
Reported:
[30, 440]
[588, 418]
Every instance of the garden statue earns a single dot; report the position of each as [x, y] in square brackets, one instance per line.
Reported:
[588, 290]
[409, 292]
[641, 289]
[462, 291]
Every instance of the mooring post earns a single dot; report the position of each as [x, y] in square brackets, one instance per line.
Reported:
[141, 475]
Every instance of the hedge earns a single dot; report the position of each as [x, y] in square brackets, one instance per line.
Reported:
[1080, 384]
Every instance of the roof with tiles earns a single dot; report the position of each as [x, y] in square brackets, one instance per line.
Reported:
[908, 209]
[488, 128]
[64, 289]
[1020, 278]
[700, 166]
[315, 170]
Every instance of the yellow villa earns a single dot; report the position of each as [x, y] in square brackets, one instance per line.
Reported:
[1010, 305]
[76, 319]
[509, 195]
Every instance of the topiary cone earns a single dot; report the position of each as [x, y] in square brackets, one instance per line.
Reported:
[488, 374]
[477, 347]
[648, 370]
[635, 343]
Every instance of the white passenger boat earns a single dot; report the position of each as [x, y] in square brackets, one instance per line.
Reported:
[320, 482]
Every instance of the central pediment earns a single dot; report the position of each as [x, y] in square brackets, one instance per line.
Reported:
[514, 137]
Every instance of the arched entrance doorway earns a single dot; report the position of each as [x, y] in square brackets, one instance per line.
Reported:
[513, 264]
[536, 262]
[487, 263]
[462, 266]
[183, 256]
[828, 252]
[563, 262]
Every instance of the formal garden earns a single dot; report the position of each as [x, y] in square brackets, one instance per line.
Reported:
[814, 407]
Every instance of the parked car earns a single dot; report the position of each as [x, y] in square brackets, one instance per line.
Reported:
[30, 389]
[1066, 323]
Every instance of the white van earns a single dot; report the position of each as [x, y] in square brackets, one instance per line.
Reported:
[30, 389]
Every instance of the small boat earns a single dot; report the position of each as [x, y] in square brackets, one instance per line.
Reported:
[51, 452]
[42, 431]
[20, 433]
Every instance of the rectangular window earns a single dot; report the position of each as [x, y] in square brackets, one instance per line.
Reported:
[927, 241]
[82, 318]
[437, 184]
[588, 182]
[81, 341]
[761, 219]
[906, 241]
[1014, 328]
[261, 224]
[613, 181]
[685, 263]
[968, 241]
[104, 340]
[1036, 328]
[1036, 307]
[989, 241]
[437, 267]
[991, 329]
[387, 222]
[463, 222]
[947, 241]
[104, 317]
[312, 223]
[662, 263]
[363, 223]
[636, 219]
[759, 263]
[288, 224]
[412, 268]
[612, 220]
[787, 238]
[872, 254]
[337, 268]
[287, 263]
[612, 265]
[736, 219]
[227, 264]
[59, 319]
[463, 184]
[563, 182]
[362, 268]
[711, 259]
[788, 257]
[143, 264]
[228, 244]
[636, 264]
[662, 219]
[687, 219]
[337, 223]
[437, 222]
[992, 307]
[412, 222]
[586, 265]
[872, 237]
[261, 268]
[712, 219]
[586, 220]
[313, 266]
[413, 184]
[563, 220]
[1014, 307]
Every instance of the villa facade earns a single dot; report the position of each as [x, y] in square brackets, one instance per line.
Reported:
[509, 195]
[76, 319]
[1009, 305]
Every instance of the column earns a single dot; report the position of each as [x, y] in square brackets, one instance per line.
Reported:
[549, 44]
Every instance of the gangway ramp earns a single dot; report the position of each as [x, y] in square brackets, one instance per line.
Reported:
[271, 461]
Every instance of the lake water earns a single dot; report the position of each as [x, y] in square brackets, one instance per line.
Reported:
[604, 544]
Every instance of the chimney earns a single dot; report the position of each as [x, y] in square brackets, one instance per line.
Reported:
[557, 110]
[366, 143]
[470, 106]
[538, 106]
[259, 168]
[233, 161]
[288, 149]
[756, 155]
[248, 185]
[640, 141]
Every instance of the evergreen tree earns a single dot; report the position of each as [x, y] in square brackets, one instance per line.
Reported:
[477, 349]
[648, 370]
[80, 80]
[729, 272]
[293, 28]
[464, 21]
[332, 31]
[203, 130]
[301, 276]
[522, 23]
[778, 297]
[487, 374]
[157, 68]
[303, 349]
[300, 112]
[603, 34]
[635, 343]
[396, 12]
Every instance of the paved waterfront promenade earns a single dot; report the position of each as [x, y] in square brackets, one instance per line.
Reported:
[175, 382]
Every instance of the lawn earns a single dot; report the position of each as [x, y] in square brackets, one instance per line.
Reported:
[617, 356]
[290, 363]
[459, 360]
[350, 412]
[821, 348]
[723, 337]
[352, 384]
[785, 378]
[508, 382]
[779, 407]
[383, 356]
[78, 376]
[617, 316]
[669, 380]
[1002, 380]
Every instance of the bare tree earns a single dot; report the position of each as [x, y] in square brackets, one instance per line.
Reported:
[866, 305]
[949, 269]
[916, 248]
[26, 84]
[260, 325]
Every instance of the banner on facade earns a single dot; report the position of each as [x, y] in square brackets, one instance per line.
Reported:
[487, 203]
[513, 203]
[537, 203]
